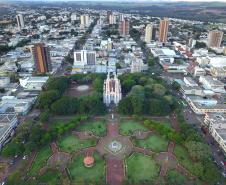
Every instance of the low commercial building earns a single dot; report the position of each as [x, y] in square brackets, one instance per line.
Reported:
[216, 124]
[213, 84]
[14, 105]
[8, 123]
[203, 105]
[33, 83]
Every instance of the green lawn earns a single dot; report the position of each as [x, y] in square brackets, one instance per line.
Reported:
[97, 127]
[127, 127]
[141, 168]
[94, 175]
[154, 142]
[72, 144]
[50, 177]
[40, 160]
[183, 158]
[175, 178]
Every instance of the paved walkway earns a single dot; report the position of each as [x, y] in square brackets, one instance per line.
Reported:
[115, 166]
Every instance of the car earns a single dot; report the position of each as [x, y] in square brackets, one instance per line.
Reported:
[24, 157]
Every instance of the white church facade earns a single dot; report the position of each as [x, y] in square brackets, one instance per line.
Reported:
[112, 90]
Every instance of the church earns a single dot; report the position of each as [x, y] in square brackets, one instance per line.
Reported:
[112, 90]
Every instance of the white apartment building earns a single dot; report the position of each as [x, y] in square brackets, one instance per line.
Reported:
[20, 21]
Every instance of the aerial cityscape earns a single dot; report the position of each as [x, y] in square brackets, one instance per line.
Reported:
[111, 92]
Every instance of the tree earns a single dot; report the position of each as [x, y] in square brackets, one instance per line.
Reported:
[124, 106]
[44, 116]
[65, 106]
[176, 86]
[127, 85]
[197, 150]
[46, 98]
[158, 89]
[175, 178]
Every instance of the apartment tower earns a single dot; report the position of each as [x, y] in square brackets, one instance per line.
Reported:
[148, 33]
[163, 30]
[215, 38]
[124, 27]
[41, 57]
[20, 21]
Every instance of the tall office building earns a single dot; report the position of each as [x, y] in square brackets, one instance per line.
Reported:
[148, 33]
[124, 27]
[84, 20]
[163, 30]
[215, 38]
[41, 57]
[20, 21]
[84, 57]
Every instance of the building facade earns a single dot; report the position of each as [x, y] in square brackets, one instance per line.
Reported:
[148, 33]
[163, 30]
[41, 56]
[124, 27]
[20, 21]
[112, 90]
[215, 38]
[84, 57]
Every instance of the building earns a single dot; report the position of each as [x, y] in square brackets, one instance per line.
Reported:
[4, 81]
[33, 83]
[203, 105]
[84, 21]
[121, 17]
[112, 90]
[20, 21]
[215, 38]
[137, 65]
[216, 124]
[112, 19]
[73, 17]
[148, 33]
[11, 104]
[41, 56]
[84, 57]
[124, 27]
[211, 83]
[163, 30]
[191, 43]
[8, 122]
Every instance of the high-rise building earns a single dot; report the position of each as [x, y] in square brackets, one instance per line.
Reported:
[73, 17]
[20, 21]
[148, 33]
[215, 38]
[163, 30]
[154, 31]
[84, 57]
[124, 27]
[41, 57]
[84, 20]
[121, 17]
[112, 19]
[108, 14]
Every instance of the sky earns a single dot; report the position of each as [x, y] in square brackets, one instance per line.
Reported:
[151, 0]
